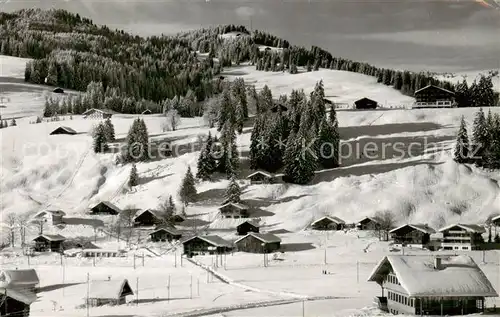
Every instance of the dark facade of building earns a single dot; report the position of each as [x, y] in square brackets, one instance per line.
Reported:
[247, 227]
[63, 130]
[433, 94]
[412, 235]
[165, 234]
[368, 224]
[52, 243]
[234, 210]
[108, 293]
[105, 208]
[58, 90]
[11, 307]
[261, 178]
[327, 223]
[146, 218]
[365, 103]
[206, 245]
[258, 243]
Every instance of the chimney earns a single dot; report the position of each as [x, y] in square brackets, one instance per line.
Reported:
[437, 263]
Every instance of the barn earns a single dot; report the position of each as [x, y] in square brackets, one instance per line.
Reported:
[434, 97]
[63, 130]
[104, 208]
[328, 223]
[146, 218]
[97, 114]
[206, 245]
[51, 217]
[246, 227]
[17, 292]
[49, 242]
[260, 177]
[258, 243]
[365, 103]
[165, 234]
[368, 223]
[108, 292]
[234, 210]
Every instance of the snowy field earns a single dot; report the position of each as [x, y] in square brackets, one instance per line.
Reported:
[12, 67]
[418, 183]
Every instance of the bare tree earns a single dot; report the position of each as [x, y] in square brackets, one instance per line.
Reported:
[173, 119]
[11, 222]
[386, 222]
[23, 223]
[126, 221]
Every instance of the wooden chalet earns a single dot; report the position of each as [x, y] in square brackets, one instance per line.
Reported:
[98, 114]
[260, 177]
[58, 90]
[105, 208]
[177, 218]
[412, 235]
[17, 292]
[368, 223]
[365, 103]
[462, 237]
[63, 130]
[146, 218]
[51, 217]
[206, 245]
[108, 292]
[434, 97]
[328, 223]
[234, 210]
[49, 243]
[422, 285]
[164, 234]
[246, 227]
[258, 243]
[147, 111]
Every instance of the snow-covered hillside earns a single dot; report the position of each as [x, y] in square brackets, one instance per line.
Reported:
[12, 67]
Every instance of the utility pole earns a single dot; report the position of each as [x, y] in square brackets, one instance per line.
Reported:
[137, 291]
[198, 287]
[191, 288]
[357, 272]
[168, 288]
[63, 278]
[303, 309]
[88, 294]
[134, 261]
[175, 256]
[143, 259]
[325, 254]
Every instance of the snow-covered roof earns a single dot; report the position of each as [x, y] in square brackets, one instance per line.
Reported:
[264, 237]
[213, 240]
[331, 218]
[367, 219]
[457, 276]
[109, 289]
[108, 204]
[261, 173]
[46, 212]
[97, 110]
[468, 227]
[18, 278]
[420, 227]
[67, 129]
[51, 237]
[21, 295]
[170, 230]
[497, 218]
[250, 222]
[428, 86]
[237, 205]
[140, 212]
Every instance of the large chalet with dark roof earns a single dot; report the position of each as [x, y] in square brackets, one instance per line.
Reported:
[212, 244]
[234, 210]
[328, 223]
[462, 237]
[258, 243]
[49, 243]
[104, 208]
[165, 233]
[434, 97]
[412, 235]
[146, 218]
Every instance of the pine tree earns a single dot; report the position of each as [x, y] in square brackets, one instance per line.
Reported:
[233, 192]
[226, 110]
[100, 141]
[265, 99]
[480, 138]
[172, 204]
[493, 151]
[134, 177]
[256, 142]
[328, 145]
[462, 147]
[300, 158]
[318, 103]
[229, 160]
[187, 191]
[137, 142]
[109, 130]
[206, 161]
[462, 94]
[240, 95]
[13, 122]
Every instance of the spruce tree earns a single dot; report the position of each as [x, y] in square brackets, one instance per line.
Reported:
[229, 160]
[133, 179]
[240, 95]
[206, 161]
[233, 192]
[253, 99]
[318, 103]
[187, 191]
[493, 151]
[300, 158]
[328, 146]
[100, 141]
[462, 95]
[110, 130]
[480, 138]
[462, 148]
[265, 99]
[226, 110]
[256, 142]
[137, 142]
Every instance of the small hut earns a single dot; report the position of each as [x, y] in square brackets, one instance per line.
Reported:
[105, 208]
[258, 243]
[368, 223]
[49, 242]
[328, 223]
[165, 234]
[110, 292]
[146, 218]
[365, 103]
[58, 90]
[63, 130]
[206, 245]
[260, 177]
[234, 210]
[246, 227]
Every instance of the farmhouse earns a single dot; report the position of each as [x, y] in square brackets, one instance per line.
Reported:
[462, 237]
[104, 208]
[246, 227]
[234, 210]
[58, 90]
[110, 292]
[260, 177]
[328, 223]
[49, 242]
[146, 218]
[258, 243]
[165, 234]
[51, 217]
[63, 130]
[434, 97]
[412, 235]
[365, 103]
[17, 292]
[422, 285]
[206, 245]
[97, 114]
[368, 223]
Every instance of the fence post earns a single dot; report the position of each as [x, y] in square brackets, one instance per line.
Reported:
[168, 288]
[191, 288]
[137, 291]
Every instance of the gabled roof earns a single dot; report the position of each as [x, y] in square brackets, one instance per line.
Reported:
[47, 211]
[67, 129]
[213, 240]
[420, 227]
[237, 205]
[250, 222]
[331, 218]
[495, 218]
[365, 99]
[140, 212]
[457, 276]
[51, 237]
[18, 278]
[170, 230]
[264, 237]
[261, 173]
[21, 295]
[109, 289]
[467, 227]
[368, 218]
[108, 204]
[429, 86]
[96, 110]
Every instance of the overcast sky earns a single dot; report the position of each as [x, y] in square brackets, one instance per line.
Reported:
[440, 35]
